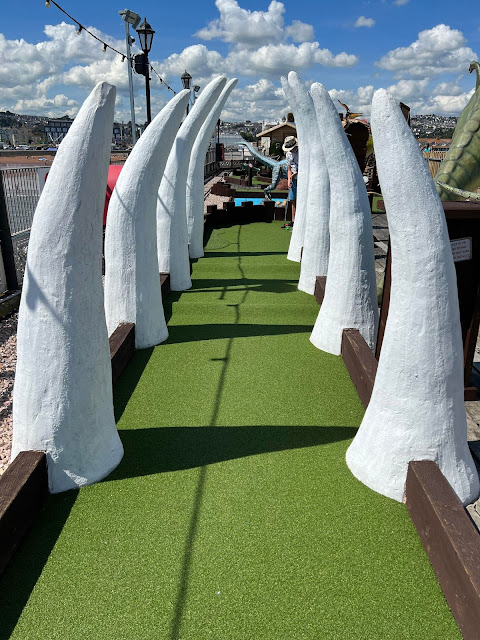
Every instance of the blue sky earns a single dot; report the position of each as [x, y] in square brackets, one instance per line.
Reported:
[418, 49]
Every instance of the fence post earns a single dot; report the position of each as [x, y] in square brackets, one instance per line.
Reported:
[6, 244]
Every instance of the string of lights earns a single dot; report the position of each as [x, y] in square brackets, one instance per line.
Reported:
[106, 46]
[162, 81]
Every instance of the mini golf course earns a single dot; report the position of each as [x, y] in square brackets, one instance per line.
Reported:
[233, 515]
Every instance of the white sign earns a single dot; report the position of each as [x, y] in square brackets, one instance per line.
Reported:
[461, 249]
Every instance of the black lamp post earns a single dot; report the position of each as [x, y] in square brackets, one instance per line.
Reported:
[186, 81]
[145, 36]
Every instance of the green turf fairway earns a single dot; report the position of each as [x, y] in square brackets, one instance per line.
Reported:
[233, 515]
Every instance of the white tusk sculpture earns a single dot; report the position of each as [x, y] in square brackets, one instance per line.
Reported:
[298, 232]
[195, 179]
[350, 300]
[416, 411]
[63, 401]
[132, 283]
[316, 240]
[172, 234]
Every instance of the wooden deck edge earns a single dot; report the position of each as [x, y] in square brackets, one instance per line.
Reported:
[122, 347]
[23, 488]
[450, 539]
[24, 484]
[360, 362]
[165, 285]
[320, 284]
[9, 303]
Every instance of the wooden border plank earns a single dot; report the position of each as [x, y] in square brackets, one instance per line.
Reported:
[320, 284]
[360, 362]
[165, 285]
[450, 539]
[122, 347]
[23, 488]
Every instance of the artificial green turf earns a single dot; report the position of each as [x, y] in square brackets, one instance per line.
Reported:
[233, 515]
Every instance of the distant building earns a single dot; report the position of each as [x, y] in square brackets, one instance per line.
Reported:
[277, 133]
[56, 130]
[21, 135]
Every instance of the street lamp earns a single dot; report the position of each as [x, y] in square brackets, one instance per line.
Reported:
[130, 18]
[186, 81]
[145, 35]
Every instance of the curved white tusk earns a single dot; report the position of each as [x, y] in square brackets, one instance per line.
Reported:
[132, 283]
[417, 410]
[172, 234]
[196, 170]
[350, 300]
[298, 231]
[316, 241]
[63, 401]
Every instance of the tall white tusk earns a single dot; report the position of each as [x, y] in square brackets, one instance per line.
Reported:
[298, 232]
[350, 300]
[132, 284]
[63, 401]
[195, 189]
[417, 410]
[316, 240]
[172, 234]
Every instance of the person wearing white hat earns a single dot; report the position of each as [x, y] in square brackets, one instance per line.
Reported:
[290, 148]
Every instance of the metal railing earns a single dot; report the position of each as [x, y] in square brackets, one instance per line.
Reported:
[22, 191]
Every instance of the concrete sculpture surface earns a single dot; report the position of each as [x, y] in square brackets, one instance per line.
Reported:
[350, 300]
[172, 234]
[298, 231]
[63, 401]
[417, 410]
[132, 284]
[195, 190]
[316, 240]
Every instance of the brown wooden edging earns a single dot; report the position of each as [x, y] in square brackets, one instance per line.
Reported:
[122, 347]
[9, 303]
[360, 362]
[24, 484]
[450, 539]
[23, 488]
[320, 283]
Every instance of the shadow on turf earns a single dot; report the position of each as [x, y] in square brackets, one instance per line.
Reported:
[125, 385]
[23, 572]
[151, 451]
[197, 332]
[200, 285]
[243, 254]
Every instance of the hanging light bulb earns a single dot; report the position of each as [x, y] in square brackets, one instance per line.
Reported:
[104, 48]
[47, 3]
[123, 58]
[79, 30]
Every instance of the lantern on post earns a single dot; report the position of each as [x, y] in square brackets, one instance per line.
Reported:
[145, 36]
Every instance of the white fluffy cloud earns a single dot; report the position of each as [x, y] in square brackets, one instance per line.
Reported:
[300, 31]
[276, 60]
[362, 21]
[30, 71]
[438, 50]
[241, 26]
[357, 101]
